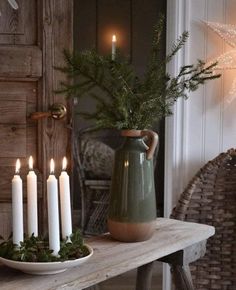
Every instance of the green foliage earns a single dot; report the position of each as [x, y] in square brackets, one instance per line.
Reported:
[125, 101]
[74, 250]
[35, 249]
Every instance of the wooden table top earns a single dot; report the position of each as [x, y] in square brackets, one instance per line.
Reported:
[112, 258]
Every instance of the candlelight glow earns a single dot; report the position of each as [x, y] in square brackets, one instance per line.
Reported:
[64, 163]
[126, 163]
[113, 38]
[17, 166]
[52, 166]
[31, 162]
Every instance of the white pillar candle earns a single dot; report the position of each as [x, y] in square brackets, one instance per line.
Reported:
[53, 212]
[32, 207]
[64, 182]
[17, 207]
[113, 47]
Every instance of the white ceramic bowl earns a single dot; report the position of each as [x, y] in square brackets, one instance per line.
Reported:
[45, 268]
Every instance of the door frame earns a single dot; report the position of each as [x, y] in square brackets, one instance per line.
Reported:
[178, 20]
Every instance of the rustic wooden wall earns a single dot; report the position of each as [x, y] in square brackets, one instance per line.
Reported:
[132, 21]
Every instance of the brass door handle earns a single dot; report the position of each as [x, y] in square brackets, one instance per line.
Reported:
[57, 111]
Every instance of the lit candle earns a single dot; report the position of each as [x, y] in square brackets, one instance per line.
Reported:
[32, 207]
[53, 212]
[64, 181]
[113, 47]
[17, 207]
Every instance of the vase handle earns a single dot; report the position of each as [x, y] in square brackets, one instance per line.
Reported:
[153, 137]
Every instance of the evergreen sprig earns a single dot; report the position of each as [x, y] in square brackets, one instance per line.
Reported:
[125, 101]
[36, 249]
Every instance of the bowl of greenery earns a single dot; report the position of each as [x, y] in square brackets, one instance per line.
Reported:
[33, 256]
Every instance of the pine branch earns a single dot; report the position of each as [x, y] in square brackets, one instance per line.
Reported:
[126, 101]
[177, 46]
[80, 64]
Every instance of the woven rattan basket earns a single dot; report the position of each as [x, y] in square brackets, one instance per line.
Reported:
[210, 198]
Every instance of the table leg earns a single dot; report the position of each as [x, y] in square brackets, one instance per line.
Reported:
[144, 277]
[179, 263]
[182, 277]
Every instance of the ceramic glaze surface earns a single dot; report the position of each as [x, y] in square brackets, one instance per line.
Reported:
[132, 189]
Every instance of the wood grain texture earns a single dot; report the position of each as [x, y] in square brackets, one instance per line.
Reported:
[144, 277]
[24, 61]
[189, 255]
[13, 140]
[6, 219]
[56, 35]
[125, 257]
[182, 277]
[19, 26]
[12, 111]
[127, 280]
[32, 39]
[18, 136]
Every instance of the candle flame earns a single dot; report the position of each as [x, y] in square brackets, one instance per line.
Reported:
[126, 163]
[52, 166]
[31, 162]
[17, 166]
[113, 38]
[64, 163]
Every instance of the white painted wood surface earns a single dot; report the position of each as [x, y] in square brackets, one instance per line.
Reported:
[112, 258]
[204, 125]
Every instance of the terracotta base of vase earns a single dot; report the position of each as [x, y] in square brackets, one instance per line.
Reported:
[131, 232]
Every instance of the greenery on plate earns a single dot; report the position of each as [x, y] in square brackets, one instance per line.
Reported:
[123, 99]
[35, 249]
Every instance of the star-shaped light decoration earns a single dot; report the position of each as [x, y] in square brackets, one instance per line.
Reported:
[227, 32]
[226, 60]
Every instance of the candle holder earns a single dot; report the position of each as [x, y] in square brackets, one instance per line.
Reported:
[34, 256]
[46, 268]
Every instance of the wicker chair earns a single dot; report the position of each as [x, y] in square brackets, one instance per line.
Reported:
[210, 198]
[93, 160]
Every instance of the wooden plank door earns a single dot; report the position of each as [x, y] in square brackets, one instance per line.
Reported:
[32, 39]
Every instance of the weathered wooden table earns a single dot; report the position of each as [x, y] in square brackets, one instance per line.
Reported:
[174, 242]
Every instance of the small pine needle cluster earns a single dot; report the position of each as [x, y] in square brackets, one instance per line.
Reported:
[124, 100]
[36, 249]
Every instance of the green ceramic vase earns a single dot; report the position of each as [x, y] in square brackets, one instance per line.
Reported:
[132, 207]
